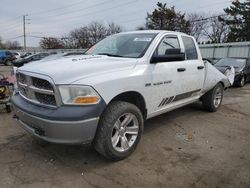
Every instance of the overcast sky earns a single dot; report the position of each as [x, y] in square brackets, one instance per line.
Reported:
[57, 17]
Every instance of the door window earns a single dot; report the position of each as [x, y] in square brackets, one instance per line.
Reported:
[190, 49]
[167, 43]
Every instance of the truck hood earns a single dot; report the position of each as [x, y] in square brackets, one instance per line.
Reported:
[70, 69]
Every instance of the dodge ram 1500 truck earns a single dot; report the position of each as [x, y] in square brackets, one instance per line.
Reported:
[104, 96]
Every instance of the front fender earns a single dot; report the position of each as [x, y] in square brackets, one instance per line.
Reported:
[110, 85]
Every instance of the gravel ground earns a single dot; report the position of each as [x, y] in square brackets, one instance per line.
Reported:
[188, 147]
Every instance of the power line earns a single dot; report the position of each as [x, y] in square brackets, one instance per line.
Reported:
[11, 28]
[61, 8]
[208, 18]
[104, 9]
[15, 37]
[80, 16]
[208, 5]
[9, 20]
[97, 11]
[77, 10]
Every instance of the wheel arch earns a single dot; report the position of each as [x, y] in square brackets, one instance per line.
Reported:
[223, 84]
[133, 97]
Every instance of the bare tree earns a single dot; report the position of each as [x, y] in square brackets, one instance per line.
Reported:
[97, 31]
[51, 43]
[83, 37]
[15, 45]
[113, 28]
[2, 45]
[197, 25]
[216, 31]
[78, 38]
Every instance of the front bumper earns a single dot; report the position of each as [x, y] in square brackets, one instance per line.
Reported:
[53, 125]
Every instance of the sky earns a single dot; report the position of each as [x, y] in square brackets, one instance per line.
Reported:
[55, 18]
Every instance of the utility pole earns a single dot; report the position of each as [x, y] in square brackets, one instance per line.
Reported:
[24, 31]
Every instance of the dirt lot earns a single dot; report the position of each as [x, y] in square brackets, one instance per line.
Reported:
[188, 147]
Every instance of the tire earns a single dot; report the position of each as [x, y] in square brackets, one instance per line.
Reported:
[8, 63]
[212, 99]
[110, 129]
[8, 108]
[242, 82]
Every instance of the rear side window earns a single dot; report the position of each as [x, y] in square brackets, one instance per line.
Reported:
[190, 49]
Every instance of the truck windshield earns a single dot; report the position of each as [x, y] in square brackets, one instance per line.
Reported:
[123, 45]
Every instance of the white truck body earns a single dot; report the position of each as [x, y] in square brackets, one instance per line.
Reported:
[163, 86]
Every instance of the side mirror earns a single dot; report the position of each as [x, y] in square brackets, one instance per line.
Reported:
[170, 55]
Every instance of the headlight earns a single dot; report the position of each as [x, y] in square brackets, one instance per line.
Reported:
[78, 95]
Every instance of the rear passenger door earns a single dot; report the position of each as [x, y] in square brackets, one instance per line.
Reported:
[194, 75]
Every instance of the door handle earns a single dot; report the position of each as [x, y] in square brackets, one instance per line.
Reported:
[200, 67]
[181, 69]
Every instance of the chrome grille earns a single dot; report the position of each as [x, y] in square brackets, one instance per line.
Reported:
[37, 90]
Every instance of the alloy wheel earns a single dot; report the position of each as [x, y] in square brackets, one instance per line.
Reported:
[217, 97]
[125, 132]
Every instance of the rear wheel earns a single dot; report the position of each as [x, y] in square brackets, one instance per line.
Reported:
[213, 98]
[242, 81]
[119, 132]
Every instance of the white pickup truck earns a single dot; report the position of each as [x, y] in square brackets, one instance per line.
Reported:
[105, 96]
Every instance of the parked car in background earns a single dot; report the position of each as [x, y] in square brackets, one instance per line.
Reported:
[212, 60]
[241, 66]
[17, 55]
[26, 54]
[6, 57]
[36, 57]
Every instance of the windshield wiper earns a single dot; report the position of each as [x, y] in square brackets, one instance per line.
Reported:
[108, 54]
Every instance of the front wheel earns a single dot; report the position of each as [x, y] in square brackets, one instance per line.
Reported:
[119, 130]
[8, 63]
[213, 98]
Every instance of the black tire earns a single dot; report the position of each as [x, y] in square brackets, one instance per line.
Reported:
[110, 116]
[208, 100]
[8, 63]
[242, 82]
[8, 108]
